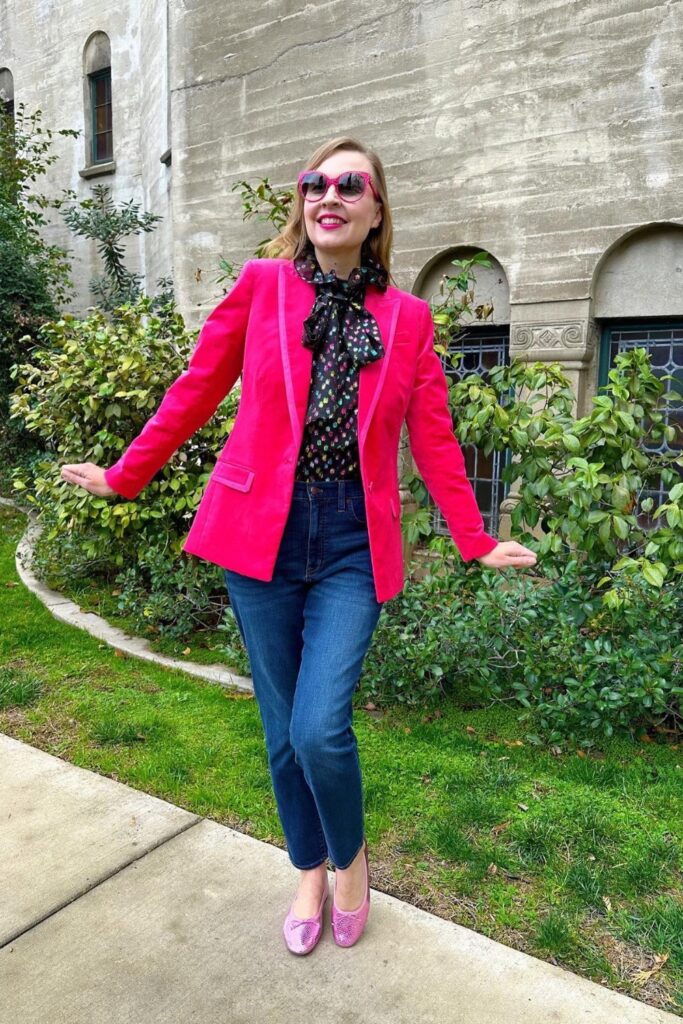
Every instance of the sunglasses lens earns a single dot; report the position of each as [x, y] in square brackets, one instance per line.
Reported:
[313, 185]
[351, 185]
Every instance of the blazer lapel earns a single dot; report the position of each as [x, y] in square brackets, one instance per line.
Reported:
[295, 301]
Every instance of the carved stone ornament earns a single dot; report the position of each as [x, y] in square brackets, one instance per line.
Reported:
[572, 338]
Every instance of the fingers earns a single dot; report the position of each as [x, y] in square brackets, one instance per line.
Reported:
[75, 474]
[81, 473]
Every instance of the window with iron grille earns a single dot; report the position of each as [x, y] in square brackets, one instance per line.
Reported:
[483, 347]
[100, 104]
[663, 341]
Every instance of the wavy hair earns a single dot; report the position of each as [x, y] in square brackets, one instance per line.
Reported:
[293, 238]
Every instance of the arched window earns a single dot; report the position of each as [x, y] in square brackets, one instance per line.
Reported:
[484, 345]
[97, 103]
[7, 91]
[638, 303]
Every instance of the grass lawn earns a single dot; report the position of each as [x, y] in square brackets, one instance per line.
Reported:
[573, 859]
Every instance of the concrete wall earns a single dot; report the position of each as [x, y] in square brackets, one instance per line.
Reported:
[539, 130]
[544, 131]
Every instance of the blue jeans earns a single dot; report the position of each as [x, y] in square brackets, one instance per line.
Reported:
[307, 632]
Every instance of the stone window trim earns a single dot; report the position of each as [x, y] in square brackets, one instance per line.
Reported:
[97, 170]
[97, 75]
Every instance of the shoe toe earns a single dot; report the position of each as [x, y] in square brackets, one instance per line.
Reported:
[301, 936]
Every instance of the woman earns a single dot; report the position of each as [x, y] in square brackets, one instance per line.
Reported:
[302, 509]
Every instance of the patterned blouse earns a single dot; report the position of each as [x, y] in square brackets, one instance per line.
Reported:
[343, 336]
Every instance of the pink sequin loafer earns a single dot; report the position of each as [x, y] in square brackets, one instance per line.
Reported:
[303, 933]
[348, 925]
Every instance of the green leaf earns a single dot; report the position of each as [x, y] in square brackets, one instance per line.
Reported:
[620, 527]
[652, 574]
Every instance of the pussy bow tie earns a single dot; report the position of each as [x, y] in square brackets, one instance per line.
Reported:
[339, 309]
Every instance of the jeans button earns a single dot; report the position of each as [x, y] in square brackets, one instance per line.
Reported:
[315, 490]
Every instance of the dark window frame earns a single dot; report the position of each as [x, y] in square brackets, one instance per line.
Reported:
[103, 75]
[472, 340]
[609, 348]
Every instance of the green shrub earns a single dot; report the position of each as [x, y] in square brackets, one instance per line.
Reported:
[584, 482]
[579, 668]
[590, 641]
[174, 595]
[34, 276]
[87, 393]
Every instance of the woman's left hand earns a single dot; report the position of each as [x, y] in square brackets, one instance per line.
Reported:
[508, 553]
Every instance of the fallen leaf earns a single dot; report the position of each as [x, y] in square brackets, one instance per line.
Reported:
[470, 728]
[641, 977]
[500, 827]
[523, 807]
[492, 869]
[608, 903]
[188, 650]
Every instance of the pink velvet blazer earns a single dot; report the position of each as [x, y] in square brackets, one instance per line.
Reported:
[256, 331]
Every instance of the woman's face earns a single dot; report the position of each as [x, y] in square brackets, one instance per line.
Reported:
[354, 220]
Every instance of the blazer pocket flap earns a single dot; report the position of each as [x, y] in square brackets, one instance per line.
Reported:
[235, 476]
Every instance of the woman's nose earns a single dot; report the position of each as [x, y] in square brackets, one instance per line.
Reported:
[334, 194]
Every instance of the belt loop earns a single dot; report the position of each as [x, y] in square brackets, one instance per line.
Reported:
[341, 496]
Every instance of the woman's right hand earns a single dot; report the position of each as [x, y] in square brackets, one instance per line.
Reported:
[89, 476]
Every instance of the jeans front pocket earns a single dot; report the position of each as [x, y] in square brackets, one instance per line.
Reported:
[355, 504]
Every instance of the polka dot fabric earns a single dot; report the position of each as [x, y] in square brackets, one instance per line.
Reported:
[343, 336]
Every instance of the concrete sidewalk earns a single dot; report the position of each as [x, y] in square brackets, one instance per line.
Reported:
[118, 907]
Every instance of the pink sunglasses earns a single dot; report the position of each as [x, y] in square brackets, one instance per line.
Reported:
[350, 185]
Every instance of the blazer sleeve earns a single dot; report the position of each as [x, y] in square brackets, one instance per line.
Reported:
[194, 396]
[437, 453]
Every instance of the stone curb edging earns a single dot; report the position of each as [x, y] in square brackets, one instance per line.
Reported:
[68, 611]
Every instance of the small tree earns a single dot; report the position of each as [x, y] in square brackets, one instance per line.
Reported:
[264, 203]
[108, 225]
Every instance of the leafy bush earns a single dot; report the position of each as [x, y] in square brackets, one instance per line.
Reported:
[589, 642]
[88, 391]
[587, 484]
[580, 668]
[34, 276]
[174, 595]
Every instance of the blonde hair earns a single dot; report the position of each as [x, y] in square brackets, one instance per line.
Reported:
[293, 238]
